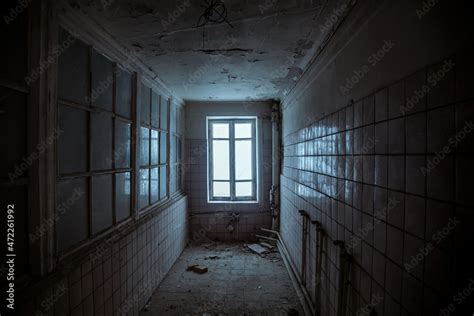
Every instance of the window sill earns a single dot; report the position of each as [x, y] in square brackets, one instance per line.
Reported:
[233, 202]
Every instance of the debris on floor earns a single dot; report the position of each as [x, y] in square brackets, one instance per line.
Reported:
[197, 269]
[209, 245]
[257, 248]
[229, 287]
[211, 257]
[266, 245]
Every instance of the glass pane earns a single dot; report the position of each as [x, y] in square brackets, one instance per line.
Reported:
[163, 142]
[243, 189]
[72, 142]
[163, 188]
[154, 185]
[220, 155]
[123, 99]
[122, 151]
[144, 188]
[122, 195]
[154, 148]
[73, 220]
[101, 203]
[164, 113]
[221, 189]
[243, 160]
[101, 143]
[144, 146]
[155, 109]
[220, 130]
[145, 104]
[243, 130]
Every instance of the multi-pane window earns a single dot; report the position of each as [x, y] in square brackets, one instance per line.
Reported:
[153, 174]
[176, 156]
[232, 158]
[94, 144]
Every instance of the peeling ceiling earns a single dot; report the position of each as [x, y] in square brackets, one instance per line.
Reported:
[259, 56]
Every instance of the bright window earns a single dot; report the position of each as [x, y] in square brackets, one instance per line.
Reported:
[232, 159]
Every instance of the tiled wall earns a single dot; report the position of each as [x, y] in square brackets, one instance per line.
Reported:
[210, 220]
[119, 275]
[391, 176]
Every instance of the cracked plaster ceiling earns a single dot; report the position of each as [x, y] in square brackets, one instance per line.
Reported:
[261, 57]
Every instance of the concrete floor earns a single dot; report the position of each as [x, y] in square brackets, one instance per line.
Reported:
[238, 282]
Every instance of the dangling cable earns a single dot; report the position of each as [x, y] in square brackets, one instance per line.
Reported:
[215, 12]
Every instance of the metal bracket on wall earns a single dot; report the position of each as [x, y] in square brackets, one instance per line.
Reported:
[304, 247]
[318, 271]
[344, 277]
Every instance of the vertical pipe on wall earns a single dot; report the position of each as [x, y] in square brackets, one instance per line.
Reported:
[317, 268]
[344, 268]
[276, 161]
[304, 243]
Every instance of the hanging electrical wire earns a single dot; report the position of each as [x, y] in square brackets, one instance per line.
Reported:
[215, 12]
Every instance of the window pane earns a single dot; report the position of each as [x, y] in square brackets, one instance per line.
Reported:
[153, 185]
[243, 160]
[243, 130]
[163, 141]
[73, 221]
[144, 188]
[122, 151]
[221, 189]
[123, 99]
[220, 155]
[164, 113]
[144, 146]
[122, 195]
[145, 105]
[220, 130]
[243, 189]
[154, 148]
[163, 188]
[155, 109]
[101, 143]
[101, 202]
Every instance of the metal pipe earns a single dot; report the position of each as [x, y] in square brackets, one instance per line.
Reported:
[308, 308]
[276, 166]
[343, 265]
[319, 255]
[304, 245]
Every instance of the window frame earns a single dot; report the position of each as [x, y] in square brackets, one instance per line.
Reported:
[232, 120]
[163, 101]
